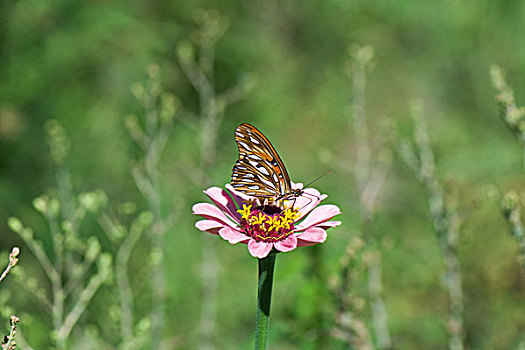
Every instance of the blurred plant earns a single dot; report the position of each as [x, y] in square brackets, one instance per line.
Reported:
[13, 260]
[350, 325]
[197, 60]
[132, 335]
[372, 162]
[420, 159]
[8, 341]
[72, 286]
[511, 114]
[511, 211]
[514, 117]
[160, 109]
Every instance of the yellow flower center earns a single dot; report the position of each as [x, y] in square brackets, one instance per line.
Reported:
[267, 223]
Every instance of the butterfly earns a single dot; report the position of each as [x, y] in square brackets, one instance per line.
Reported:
[259, 171]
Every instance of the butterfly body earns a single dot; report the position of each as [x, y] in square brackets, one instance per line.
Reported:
[259, 171]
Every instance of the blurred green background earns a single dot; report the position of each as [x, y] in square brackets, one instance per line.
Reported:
[76, 62]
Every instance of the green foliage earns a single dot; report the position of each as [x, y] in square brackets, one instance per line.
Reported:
[71, 68]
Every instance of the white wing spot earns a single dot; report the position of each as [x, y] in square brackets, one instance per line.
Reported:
[245, 146]
[254, 187]
[254, 156]
[269, 183]
[263, 170]
[275, 178]
[254, 140]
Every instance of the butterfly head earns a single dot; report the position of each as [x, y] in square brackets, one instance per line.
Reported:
[294, 193]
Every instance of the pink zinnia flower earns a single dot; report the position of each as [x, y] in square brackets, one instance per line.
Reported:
[239, 218]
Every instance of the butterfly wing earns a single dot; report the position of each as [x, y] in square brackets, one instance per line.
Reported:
[259, 171]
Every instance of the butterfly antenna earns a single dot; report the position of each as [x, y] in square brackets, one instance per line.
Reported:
[317, 178]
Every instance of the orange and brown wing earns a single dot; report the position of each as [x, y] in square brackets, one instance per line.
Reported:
[259, 171]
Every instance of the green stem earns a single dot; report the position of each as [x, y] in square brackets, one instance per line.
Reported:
[264, 298]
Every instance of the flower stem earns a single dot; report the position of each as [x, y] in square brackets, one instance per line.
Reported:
[264, 298]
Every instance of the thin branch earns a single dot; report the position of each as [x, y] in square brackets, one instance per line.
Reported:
[13, 260]
[58, 242]
[80, 306]
[512, 115]
[41, 297]
[445, 219]
[360, 128]
[108, 225]
[8, 342]
[136, 133]
[159, 113]
[21, 340]
[236, 93]
[189, 67]
[369, 180]
[511, 211]
[36, 247]
[350, 326]
[514, 118]
[143, 183]
[121, 262]
[73, 283]
[376, 181]
[158, 144]
[407, 154]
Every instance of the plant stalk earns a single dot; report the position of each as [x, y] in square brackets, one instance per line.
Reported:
[264, 298]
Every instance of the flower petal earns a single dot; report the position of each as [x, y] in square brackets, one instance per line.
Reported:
[223, 200]
[308, 201]
[318, 215]
[238, 196]
[327, 224]
[259, 249]
[296, 185]
[233, 236]
[289, 243]
[210, 226]
[211, 212]
[313, 235]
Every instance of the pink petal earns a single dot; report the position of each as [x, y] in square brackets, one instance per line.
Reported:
[223, 200]
[238, 196]
[301, 244]
[233, 236]
[209, 226]
[309, 200]
[313, 235]
[318, 215]
[259, 249]
[296, 185]
[327, 224]
[289, 243]
[211, 212]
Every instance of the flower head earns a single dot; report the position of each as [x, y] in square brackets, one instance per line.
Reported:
[283, 225]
